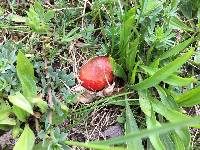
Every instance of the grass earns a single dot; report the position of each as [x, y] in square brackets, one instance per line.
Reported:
[153, 47]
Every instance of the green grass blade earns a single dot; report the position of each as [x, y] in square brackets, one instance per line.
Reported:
[170, 114]
[183, 136]
[131, 127]
[189, 98]
[179, 81]
[21, 114]
[164, 72]
[8, 122]
[176, 49]
[150, 6]
[144, 102]
[117, 69]
[131, 54]
[172, 79]
[126, 33]
[133, 73]
[167, 99]
[147, 132]
[25, 73]
[20, 101]
[151, 121]
[155, 139]
[176, 22]
[93, 146]
[26, 140]
[167, 140]
[178, 141]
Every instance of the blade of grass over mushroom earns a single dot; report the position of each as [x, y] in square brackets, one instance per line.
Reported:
[164, 72]
[172, 79]
[93, 146]
[131, 127]
[189, 98]
[176, 49]
[147, 132]
[102, 102]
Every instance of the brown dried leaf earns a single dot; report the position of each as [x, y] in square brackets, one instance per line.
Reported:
[86, 97]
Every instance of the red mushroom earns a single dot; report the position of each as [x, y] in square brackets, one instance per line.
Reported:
[96, 74]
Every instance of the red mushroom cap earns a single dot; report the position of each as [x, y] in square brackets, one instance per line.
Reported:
[96, 73]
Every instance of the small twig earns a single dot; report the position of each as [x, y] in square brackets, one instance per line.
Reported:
[49, 94]
[37, 125]
[83, 13]
[120, 5]
[66, 85]
[24, 38]
[10, 5]
[65, 8]
[72, 51]
[48, 4]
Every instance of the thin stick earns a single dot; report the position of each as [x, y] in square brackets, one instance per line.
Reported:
[83, 13]
[49, 94]
[120, 5]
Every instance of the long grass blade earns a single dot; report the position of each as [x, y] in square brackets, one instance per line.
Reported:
[147, 132]
[125, 33]
[155, 138]
[131, 127]
[176, 22]
[177, 49]
[172, 79]
[189, 98]
[164, 72]
[93, 146]
[183, 136]
[150, 119]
